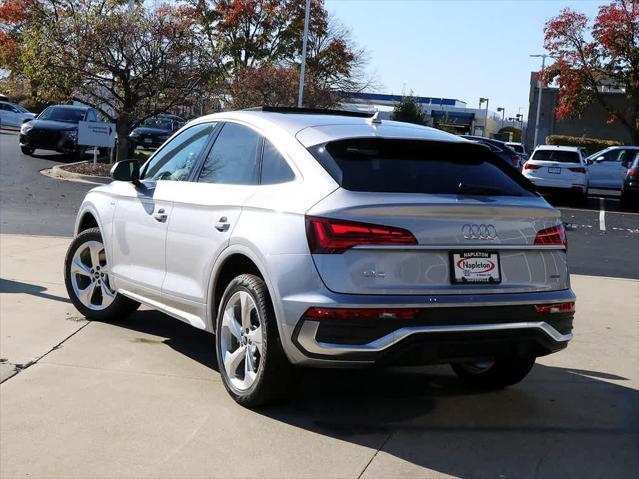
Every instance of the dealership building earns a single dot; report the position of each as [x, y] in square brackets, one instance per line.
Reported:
[593, 123]
[453, 113]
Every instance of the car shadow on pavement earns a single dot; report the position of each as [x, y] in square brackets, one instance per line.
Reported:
[11, 286]
[559, 422]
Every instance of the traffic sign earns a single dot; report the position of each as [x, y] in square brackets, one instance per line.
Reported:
[96, 133]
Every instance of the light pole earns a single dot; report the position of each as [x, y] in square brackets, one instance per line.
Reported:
[540, 86]
[481, 101]
[307, 14]
[503, 112]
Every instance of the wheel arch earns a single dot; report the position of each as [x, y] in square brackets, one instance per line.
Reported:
[235, 260]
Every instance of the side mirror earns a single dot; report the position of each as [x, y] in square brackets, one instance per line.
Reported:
[126, 170]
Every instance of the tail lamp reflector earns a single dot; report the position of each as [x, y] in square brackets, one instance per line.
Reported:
[568, 307]
[333, 236]
[361, 313]
[578, 169]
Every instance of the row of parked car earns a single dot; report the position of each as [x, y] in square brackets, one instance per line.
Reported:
[56, 128]
[565, 169]
[550, 168]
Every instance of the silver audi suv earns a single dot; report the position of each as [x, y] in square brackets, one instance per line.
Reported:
[329, 239]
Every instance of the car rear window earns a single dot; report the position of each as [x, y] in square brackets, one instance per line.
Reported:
[556, 155]
[417, 166]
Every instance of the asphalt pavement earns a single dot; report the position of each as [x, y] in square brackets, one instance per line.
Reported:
[30, 202]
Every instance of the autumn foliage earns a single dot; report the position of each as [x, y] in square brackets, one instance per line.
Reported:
[131, 64]
[596, 57]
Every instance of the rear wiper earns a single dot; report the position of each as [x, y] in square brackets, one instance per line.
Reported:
[469, 189]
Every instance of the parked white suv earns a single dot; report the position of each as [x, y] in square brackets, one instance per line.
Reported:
[558, 169]
[309, 239]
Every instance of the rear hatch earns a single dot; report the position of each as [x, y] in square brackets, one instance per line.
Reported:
[416, 217]
[559, 165]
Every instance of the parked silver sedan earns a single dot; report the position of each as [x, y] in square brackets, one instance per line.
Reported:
[328, 239]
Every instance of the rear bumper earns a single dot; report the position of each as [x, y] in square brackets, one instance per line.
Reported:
[451, 329]
[549, 185]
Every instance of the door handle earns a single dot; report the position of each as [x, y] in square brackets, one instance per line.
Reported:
[222, 224]
[161, 216]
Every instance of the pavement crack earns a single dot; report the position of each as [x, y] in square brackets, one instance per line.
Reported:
[22, 367]
[375, 455]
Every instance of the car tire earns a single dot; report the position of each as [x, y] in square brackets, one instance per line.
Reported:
[88, 284]
[496, 374]
[26, 150]
[251, 361]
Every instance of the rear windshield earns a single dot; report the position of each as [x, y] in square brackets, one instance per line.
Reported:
[556, 155]
[416, 166]
[517, 148]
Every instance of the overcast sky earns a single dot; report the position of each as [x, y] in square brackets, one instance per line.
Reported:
[454, 49]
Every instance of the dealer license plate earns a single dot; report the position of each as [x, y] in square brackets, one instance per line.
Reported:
[475, 267]
[554, 170]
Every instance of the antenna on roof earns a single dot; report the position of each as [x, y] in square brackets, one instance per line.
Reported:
[375, 119]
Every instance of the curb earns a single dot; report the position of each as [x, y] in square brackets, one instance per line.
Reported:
[60, 173]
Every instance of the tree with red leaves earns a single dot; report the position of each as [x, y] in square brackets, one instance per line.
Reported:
[258, 45]
[593, 58]
[129, 64]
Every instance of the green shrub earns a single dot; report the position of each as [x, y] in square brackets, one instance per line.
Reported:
[592, 145]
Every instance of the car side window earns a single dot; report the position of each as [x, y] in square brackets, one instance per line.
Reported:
[233, 159]
[275, 169]
[623, 157]
[176, 159]
[91, 116]
[611, 156]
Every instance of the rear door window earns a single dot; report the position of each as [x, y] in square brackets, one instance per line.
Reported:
[559, 156]
[233, 159]
[416, 166]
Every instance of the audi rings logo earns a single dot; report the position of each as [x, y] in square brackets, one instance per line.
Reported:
[484, 232]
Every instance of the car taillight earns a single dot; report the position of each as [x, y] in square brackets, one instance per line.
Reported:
[361, 313]
[578, 169]
[568, 307]
[331, 236]
[555, 235]
[515, 160]
[529, 166]
[633, 173]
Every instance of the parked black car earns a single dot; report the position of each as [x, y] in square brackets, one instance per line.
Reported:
[500, 148]
[56, 128]
[154, 131]
[630, 188]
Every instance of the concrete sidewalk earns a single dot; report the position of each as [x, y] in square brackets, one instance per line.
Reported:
[142, 398]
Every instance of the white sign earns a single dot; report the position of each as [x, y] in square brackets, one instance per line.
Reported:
[96, 133]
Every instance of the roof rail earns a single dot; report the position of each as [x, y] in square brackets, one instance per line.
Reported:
[313, 111]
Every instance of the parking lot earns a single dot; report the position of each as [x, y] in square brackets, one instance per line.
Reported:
[142, 398]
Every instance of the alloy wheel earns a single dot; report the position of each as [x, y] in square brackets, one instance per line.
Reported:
[90, 276]
[241, 340]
